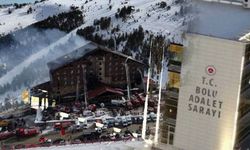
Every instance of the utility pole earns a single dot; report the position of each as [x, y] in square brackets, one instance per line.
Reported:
[77, 88]
[156, 137]
[128, 77]
[144, 124]
[85, 85]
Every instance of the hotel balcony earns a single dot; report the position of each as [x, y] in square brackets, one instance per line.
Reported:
[175, 57]
[174, 66]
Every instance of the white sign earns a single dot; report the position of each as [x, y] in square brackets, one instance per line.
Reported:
[209, 93]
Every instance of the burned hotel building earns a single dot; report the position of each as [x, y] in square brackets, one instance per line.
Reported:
[91, 69]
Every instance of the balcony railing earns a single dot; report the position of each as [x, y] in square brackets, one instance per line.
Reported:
[172, 94]
[174, 68]
[174, 62]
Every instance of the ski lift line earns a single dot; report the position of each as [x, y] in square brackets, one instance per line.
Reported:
[159, 102]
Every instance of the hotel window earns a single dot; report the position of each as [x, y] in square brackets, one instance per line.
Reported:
[171, 138]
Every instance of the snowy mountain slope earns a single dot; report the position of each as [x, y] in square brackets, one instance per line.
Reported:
[170, 23]
[18, 18]
[16, 47]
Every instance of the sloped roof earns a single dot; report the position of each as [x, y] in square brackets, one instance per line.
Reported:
[220, 20]
[82, 52]
[101, 90]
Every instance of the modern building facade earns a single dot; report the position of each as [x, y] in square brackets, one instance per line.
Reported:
[207, 97]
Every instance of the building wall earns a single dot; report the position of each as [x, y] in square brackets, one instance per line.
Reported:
[211, 73]
[107, 67]
[65, 78]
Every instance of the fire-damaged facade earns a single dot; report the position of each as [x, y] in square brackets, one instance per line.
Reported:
[92, 67]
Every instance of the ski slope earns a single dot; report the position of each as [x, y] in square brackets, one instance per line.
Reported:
[159, 21]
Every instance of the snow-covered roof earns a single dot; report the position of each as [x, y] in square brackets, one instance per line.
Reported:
[220, 20]
[82, 52]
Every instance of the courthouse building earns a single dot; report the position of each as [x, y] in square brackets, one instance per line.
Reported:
[208, 94]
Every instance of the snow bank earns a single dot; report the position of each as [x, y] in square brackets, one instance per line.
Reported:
[136, 145]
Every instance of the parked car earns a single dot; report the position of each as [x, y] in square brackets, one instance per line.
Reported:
[20, 146]
[121, 102]
[99, 113]
[59, 142]
[135, 102]
[152, 116]
[76, 141]
[118, 121]
[124, 121]
[139, 119]
[89, 135]
[110, 122]
[60, 125]
[129, 105]
[88, 113]
[129, 119]
[92, 107]
[121, 121]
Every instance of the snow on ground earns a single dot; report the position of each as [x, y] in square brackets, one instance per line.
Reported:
[136, 145]
[159, 21]
[7, 78]
[19, 18]
[95, 9]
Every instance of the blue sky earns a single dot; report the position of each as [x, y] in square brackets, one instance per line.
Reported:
[16, 1]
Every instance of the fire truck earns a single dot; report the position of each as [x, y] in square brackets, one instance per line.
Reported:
[27, 131]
